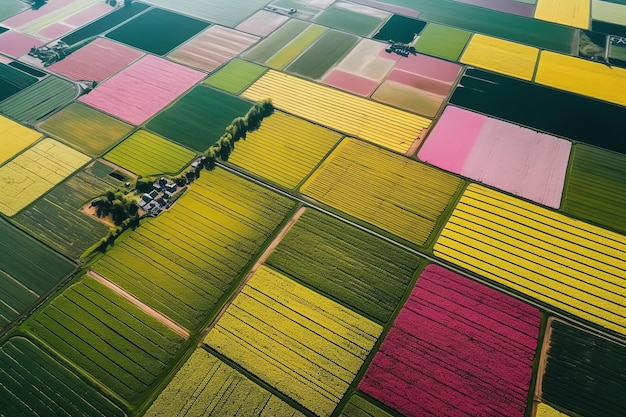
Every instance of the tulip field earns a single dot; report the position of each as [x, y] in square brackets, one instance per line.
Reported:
[331, 208]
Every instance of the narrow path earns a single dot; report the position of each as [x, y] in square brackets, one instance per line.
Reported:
[143, 307]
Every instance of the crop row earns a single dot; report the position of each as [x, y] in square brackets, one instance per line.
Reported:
[567, 264]
[15, 138]
[301, 343]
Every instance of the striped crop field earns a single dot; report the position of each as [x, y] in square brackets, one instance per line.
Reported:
[584, 77]
[271, 45]
[564, 263]
[442, 41]
[32, 173]
[56, 218]
[595, 190]
[301, 343]
[584, 373]
[358, 406]
[14, 138]
[295, 47]
[207, 386]
[107, 337]
[13, 80]
[356, 116]
[364, 272]
[87, 129]
[236, 75]
[457, 348]
[576, 13]
[146, 154]
[285, 149]
[508, 58]
[183, 262]
[32, 383]
[387, 190]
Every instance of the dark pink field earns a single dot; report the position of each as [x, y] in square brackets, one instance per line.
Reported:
[16, 44]
[140, 91]
[350, 82]
[457, 348]
[430, 67]
[418, 81]
[97, 61]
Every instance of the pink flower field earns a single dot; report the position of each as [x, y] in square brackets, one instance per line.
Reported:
[16, 44]
[457, 348]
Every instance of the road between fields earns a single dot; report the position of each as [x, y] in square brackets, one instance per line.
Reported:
[143, 307]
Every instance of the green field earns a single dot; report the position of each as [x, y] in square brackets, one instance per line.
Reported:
[595, 187]
[295, 47]
[146, 154]
[28, 270]
[352, 21]
[106, 336]
[235, 76]
[87, 129]
[56, 219]
[360, 270]
[206, 386]
[38, 100]
[199, 118]
[323, 54]
[358, 406]
[442, 41]
[184, 261]
[265, 49]
[32, 383]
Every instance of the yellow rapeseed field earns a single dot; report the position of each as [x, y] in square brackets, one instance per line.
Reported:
[544, 410]
[285, 149]
[14, 138]
[32, 173]
[565, 263]
[566, 12]
[389, 191]
[300, 342]
[504, 57]
[582, 77]
[356, 116]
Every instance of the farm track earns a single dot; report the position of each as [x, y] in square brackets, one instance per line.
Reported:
[143, 307]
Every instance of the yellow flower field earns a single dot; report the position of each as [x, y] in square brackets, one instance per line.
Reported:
[544, 410]
[390, 191]
[32, 173]
[565, 12]
[14, 138]
[285, 149]
[565, 263]
[582, 77]
[356, 116]
[303, 344]
[504, 57]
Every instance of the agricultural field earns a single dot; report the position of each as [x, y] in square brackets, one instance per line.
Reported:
[512, 158]
[284, 150]
[56, 219]
[358, 406]
[142, 89]
[565, 12]
[198, 119]
[296, 46]
[212, 48]
[338, 110]
[380, 188]
[39, 100]
[236, 75]
[146, 31]
[399, 29]
[54, 29]
[306, 9]
[501, 56]
[183, 262]
[544, 410]
[14, 138]
[85, 128]
[96, 61]
[456, 348]
[32, 382]
[28, 271]
[262, 23]
[207, 386]
[352, 18]
[583, 372]
[302, 34]
[347, 264]
[11, 7]
[107, 337]
[16, 44]
[13, 80]
[301, 343]
[442, 41]
[562, 262]
[146, 154]
[596, 187]
[35, 171]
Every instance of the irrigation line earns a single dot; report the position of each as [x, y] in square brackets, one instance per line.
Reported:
[540, 306]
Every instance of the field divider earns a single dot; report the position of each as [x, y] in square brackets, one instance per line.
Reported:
[162, 318]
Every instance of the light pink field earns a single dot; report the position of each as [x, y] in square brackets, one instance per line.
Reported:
[419, 81]
[140, 91]
[91, 13]
[54, 31]
[518, 160]
[96, 61]
[212, 48]
[427, 66]
[29, 15]
[350, 82]
[262, 23]
[16, 44]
